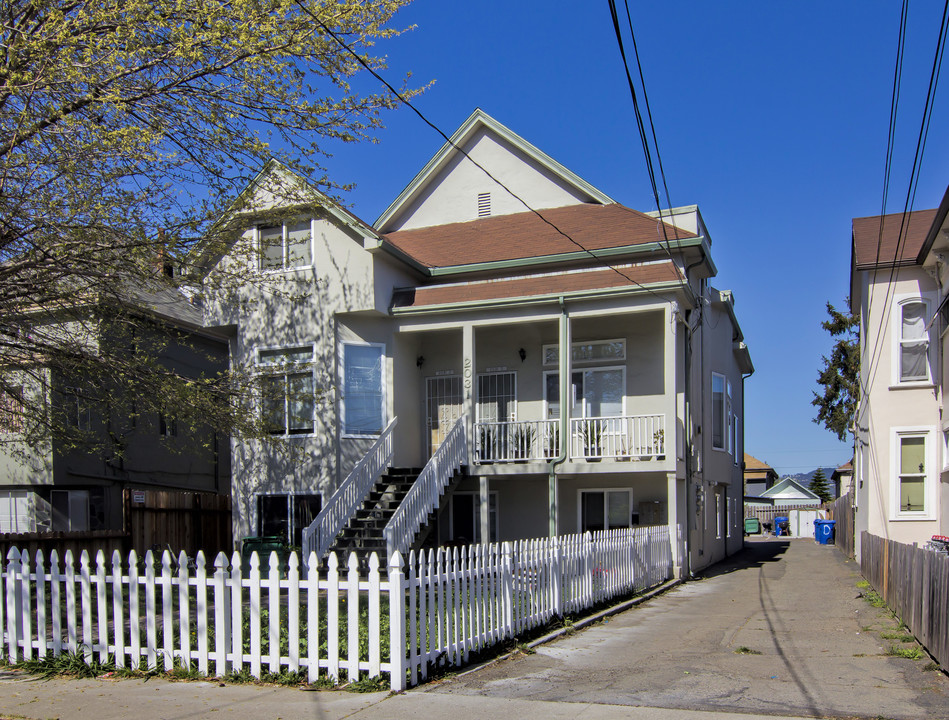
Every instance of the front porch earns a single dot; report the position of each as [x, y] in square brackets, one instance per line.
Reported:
[505, 379]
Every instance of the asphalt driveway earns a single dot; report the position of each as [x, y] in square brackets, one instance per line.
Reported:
[778, 629]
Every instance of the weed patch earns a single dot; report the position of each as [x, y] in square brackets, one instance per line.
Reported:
[744, 650]
[911, 653]
[897, 635]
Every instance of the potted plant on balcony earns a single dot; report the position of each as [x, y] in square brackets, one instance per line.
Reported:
[592, 435]
[552, 444]
[658, 439]
[523, 441]
[486, 445]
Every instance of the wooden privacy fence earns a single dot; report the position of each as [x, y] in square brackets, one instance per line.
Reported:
[178, 520]
[158, 612]
[841, 511]
[914, 583]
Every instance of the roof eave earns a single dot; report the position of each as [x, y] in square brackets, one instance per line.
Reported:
[571, 257]
[546, 298]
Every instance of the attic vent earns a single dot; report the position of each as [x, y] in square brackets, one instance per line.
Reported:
[484, 204]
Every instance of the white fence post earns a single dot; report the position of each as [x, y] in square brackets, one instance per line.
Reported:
[25, 613]
[85, 580]
[507, 591]
[118, 610]
[40, 605]
[14, 608]
[397, 624]
[312, 617]
[222, 616]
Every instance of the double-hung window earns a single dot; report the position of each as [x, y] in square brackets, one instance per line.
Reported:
[285, 246]
[913, 349]
[913, 491]
[287, 390]
[363, 400]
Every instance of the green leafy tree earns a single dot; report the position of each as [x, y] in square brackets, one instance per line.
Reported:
[818, 486]
[127, 127]
[837, 403]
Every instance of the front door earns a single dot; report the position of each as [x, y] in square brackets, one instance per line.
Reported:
[443, 398]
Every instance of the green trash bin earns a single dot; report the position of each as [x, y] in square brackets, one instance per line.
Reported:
[752, 526]
[263, 546]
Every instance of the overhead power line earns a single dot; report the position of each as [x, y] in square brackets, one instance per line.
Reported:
[405, 101]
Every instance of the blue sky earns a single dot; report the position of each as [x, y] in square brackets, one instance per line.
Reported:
[771, 117]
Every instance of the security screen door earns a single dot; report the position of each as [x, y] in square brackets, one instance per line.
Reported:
[443, 399]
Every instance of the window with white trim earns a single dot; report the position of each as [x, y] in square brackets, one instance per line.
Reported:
[363, 396]
[11, 409]
[595, 392]
[729, 417]
[286, 246]
[911, 477]
[718, 411]
[912, 341]
[605, 509]
[287, 389]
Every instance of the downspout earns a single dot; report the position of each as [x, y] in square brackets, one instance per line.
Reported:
[553, 512]
[689, 512]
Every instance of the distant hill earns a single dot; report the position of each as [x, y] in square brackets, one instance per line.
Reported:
[805, 478]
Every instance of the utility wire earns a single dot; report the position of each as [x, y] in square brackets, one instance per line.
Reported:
[911, 190]
[650, 169]
[449, 141]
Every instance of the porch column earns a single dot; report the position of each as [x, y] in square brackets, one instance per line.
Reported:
[469, 390]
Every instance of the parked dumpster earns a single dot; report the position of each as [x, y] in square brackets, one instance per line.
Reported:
[824, 531]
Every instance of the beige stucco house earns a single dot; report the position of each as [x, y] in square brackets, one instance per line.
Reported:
[898, 289]
[597, 374]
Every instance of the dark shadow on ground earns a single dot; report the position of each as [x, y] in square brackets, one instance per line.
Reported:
[753, 555]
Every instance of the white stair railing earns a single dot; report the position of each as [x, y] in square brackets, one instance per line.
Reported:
[322, 532]
[425, 493]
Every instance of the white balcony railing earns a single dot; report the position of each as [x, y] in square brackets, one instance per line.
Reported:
[620, 438]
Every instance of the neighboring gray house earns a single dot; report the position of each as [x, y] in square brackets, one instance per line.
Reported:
[52, 489]
[597, 375]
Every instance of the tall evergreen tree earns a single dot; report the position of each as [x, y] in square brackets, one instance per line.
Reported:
[818, 486]
[838, 402]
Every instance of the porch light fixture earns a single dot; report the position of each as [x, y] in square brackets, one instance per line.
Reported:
[419, 361]
[522, 354]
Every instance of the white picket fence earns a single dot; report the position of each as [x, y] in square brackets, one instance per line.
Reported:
[443, 606]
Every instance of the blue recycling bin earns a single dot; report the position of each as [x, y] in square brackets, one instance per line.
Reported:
[824, 531]
[782, 526]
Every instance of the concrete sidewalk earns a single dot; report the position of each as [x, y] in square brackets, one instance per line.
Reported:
[160, 699]
[795, 603]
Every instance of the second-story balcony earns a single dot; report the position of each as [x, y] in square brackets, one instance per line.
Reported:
[627, 437]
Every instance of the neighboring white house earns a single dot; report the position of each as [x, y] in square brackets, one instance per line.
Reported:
[898, 289]
[789, 492]
[455, 304]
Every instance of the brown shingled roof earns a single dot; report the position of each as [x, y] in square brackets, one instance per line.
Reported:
[524, 235]
[753, 463]
[866, 238]
[536, 285]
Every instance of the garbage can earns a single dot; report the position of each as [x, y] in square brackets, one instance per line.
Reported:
[824, 531]
[263, 546]
[782, 526]
[752, 526]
